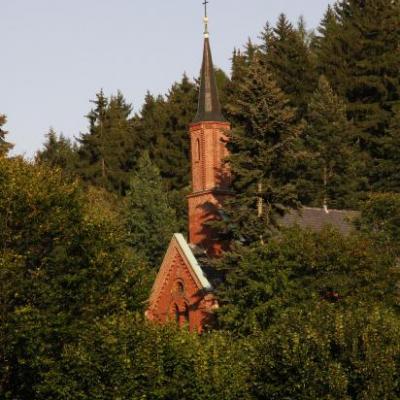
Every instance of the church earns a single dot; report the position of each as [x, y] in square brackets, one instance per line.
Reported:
[184, 287]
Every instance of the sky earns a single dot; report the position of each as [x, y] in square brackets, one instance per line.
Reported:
[57, 54]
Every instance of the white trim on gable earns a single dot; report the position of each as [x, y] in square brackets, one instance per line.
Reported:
[193, 262]
[179, 243]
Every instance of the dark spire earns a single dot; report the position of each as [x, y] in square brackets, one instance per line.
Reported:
[209, 107]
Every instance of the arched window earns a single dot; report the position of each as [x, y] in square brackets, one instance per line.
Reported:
[179, 288]
[198, 150]
[222, 149]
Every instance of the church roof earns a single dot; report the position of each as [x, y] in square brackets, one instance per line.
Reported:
[209, 107]
[178, 245]
[317, 218]
[195, 266]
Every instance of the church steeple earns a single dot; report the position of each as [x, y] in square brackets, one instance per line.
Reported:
[209, 107]
[210, 173]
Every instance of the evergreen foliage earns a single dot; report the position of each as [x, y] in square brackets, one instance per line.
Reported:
[288, 57]
[171, 154]
[299, 269]
[386, 172]
[106, 151]
[150, 220]
[4, 146]
[263, 149]
[58, 152]
[333, 166]
[358, 53]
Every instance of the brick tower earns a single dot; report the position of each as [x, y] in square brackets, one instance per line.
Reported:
[210, 174]
[183, 291]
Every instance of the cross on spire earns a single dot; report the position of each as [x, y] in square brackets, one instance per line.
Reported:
[205, 7]
[205, 3]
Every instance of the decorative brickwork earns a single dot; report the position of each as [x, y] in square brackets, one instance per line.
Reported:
[210, 181]
[180, 294]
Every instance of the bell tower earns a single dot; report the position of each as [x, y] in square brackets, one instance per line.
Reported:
[210, 174]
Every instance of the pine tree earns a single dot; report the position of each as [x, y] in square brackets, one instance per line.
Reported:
[172, 148]
[59, 152]
[150, 220]
[333, 163]
[288, 58]
[241, 61]
[263, 153]
[4, 146]
[326, 46]
[387, 161]
[106, 151]
[149, 125]
[358, 52]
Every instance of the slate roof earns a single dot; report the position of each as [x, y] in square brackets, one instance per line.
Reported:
[209, 107]
[212, 275]
[317, 218]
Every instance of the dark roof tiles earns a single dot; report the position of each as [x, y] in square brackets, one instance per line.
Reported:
[209, 107]
[318, 218]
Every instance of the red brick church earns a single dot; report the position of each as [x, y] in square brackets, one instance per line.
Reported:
[183, 289]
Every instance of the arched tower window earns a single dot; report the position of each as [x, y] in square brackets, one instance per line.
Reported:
[198, 150]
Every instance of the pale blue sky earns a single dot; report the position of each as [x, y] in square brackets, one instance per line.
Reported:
[56, 54]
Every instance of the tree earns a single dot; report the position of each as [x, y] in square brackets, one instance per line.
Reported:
[58, 152]
[380, 217]
[288, 57]
[386, 176]
[334, 165]
[106, 151]
[300, 269]
[358, 52]
[150, 220]
[171, 154]
[60, 270]
[326, 353]
[150, 125]
[263, 151]
[4, 146]
[327, 49]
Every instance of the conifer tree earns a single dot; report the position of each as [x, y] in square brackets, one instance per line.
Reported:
[263, 152]
[150, 220]
[333, 163]
[358, 52]
[59, 152]
[172, 148]
[149, 125]
[4, 146]
[326, 46]
[106, 151]
[288, 58]
[386, 176]
[240, 64]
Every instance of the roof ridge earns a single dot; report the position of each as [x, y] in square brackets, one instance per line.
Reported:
[329, 209]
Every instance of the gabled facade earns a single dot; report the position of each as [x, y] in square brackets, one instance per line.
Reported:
[182, 292]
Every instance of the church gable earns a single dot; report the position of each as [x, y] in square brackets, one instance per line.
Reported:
[180, 287]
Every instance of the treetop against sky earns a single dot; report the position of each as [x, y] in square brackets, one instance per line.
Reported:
[57, 55]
